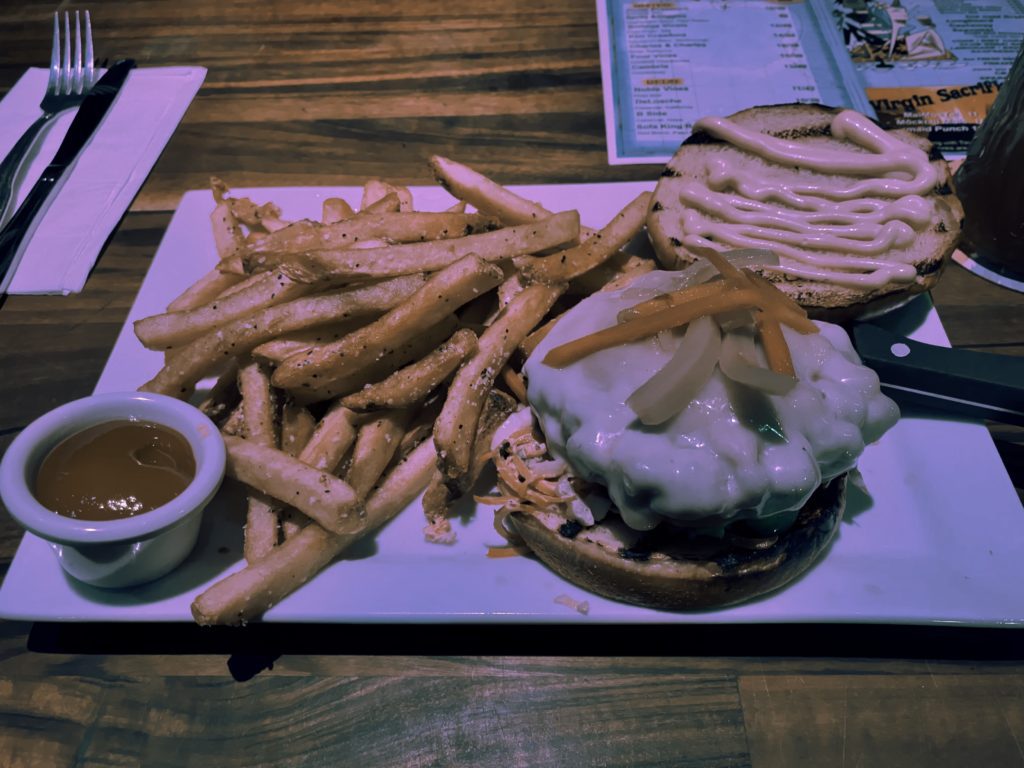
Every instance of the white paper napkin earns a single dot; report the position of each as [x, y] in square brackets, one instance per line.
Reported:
[106, 176]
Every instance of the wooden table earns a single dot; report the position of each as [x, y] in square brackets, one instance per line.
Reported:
[303, 93]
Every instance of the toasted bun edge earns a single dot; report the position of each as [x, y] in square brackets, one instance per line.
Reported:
[683, 585]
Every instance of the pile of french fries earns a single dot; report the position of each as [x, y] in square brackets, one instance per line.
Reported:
[368, 357]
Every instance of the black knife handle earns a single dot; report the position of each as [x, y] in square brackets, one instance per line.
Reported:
[995, 382]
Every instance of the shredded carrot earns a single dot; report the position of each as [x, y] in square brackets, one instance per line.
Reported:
[780, 306]
[742, 289]
[506, 550]
[674, 299]
[493, 501]
[770, 289]
[514, 381]
[775, 347]
[642, 327]
[530, 342]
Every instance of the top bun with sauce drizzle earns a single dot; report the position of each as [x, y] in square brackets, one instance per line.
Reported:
[914, 234]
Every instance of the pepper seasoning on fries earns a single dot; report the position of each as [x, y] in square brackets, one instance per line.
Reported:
[368, 357]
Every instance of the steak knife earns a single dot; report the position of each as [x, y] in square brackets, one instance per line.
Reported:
[21, 226]
[962, 382]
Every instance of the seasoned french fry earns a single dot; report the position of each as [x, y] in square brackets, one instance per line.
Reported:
[537, 336]
[258, 412]
[375, 189]
[483, 193]
[279, 349]
[433, 255]
[376, 443]
[422, 425]
[204, 290]
[436, 502]
[220, 190]
[612, 274]
[389, 361]
[595, 250]
[234, 424]
[413, 383]
[239, 337]
[281, 247]
[223, 395]
[455, 428]
[515, 383]
[297, 426]
[508, 290]
[442, 294]
[387, 204]
[258, 407]
[438, 496]
[248, 593]
[405, 201]
[487, 195]
[228, 239]
[173, 329]
[479, 312]
[252, 215]
[292, 522]
[335, 209]
[321, 496]
[628, 275]
[323, 448]
[331, 439]
[261, 527]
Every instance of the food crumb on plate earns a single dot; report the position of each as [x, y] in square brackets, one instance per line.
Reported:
[580, 606]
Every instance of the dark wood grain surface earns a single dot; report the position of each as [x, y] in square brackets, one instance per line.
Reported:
[312, 93]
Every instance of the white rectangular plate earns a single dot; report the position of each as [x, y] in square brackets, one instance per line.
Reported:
[937, 538]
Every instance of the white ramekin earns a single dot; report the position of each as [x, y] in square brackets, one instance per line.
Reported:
[115, 553]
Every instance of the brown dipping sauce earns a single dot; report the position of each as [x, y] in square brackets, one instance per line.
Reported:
[115, 470]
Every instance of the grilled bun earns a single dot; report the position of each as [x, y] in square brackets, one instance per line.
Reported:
[674, 573]
[809, 126]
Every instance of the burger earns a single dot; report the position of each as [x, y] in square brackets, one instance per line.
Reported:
[860, 218]
[684, 467]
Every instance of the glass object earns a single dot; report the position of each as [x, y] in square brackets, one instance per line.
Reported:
[990, 183]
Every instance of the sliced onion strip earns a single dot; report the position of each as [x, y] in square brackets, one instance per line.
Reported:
[674, 299]
[739, 361]
[734, 319]
[673, 387]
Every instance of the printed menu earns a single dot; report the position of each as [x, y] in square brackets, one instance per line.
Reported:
[930, 66]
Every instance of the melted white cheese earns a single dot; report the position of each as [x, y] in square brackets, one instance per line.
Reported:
[732, 453]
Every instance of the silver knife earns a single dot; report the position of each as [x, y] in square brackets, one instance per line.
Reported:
[21, 226]
[962, 382]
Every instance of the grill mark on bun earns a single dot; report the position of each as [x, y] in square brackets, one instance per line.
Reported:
[569, 529]
[636, 555]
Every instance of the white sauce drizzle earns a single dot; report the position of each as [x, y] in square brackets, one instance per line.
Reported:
[849, 223]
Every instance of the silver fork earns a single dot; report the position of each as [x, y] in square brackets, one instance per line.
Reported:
[69, 83]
